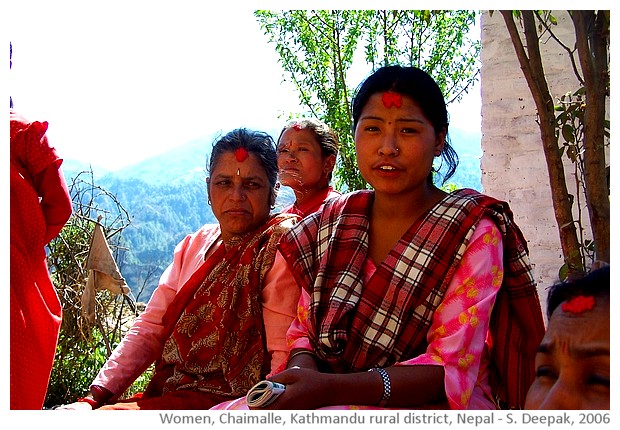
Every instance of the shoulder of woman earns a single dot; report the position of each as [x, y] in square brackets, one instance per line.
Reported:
[476, 196]
[341, 200]
[204, 234]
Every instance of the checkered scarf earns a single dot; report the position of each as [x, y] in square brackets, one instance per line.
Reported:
[354, 327]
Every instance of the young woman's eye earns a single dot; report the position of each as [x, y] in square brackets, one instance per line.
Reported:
[408, 130]
[371, 128]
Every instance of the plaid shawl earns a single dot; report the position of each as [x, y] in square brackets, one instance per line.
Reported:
[354, 327]
[216, 340]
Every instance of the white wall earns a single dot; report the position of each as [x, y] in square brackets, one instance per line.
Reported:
[513, 163]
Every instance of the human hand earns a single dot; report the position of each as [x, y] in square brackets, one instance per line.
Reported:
[304, 389]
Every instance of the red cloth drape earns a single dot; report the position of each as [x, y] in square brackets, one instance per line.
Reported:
[40, 206]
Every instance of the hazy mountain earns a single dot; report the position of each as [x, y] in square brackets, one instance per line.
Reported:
[165, 196]
[467, 146]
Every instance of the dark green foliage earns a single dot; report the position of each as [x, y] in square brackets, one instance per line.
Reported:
[320, 50]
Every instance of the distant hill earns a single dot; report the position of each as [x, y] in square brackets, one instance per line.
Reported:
[467, 146]
[165, 196]
[184, 163]
[176, 165]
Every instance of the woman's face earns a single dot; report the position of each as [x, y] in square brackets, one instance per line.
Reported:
[572, 362]
[240, 194]
[301, 163]
[395, 146]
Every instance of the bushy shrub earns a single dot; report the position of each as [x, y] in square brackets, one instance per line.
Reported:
[84, 345]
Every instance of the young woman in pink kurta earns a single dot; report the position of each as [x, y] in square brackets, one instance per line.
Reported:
[412, 297]
[456, 339]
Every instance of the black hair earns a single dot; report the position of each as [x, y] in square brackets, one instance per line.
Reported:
[421, 87]
[596, 284]
[255, 142]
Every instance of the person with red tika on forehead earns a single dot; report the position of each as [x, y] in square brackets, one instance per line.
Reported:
[216, 323]
[411, 297]
[307, 151]
[573, 360]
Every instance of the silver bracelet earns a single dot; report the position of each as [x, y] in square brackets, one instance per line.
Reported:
[299, 352]
[387, 386]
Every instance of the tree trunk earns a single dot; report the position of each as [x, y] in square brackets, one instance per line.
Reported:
[535, 77]
[591, 34]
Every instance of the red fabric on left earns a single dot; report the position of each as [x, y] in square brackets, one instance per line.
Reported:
[40, 206]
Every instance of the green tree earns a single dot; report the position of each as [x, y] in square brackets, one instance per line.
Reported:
[577, 127]
[318, 49]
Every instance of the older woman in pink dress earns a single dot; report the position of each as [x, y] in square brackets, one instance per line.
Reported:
[217, 321]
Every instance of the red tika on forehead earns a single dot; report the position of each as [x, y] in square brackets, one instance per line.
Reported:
[241, 154]
[579, 304]
[391, 98]
[297, 126]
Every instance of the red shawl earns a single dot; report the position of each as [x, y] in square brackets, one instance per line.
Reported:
[215, 348]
